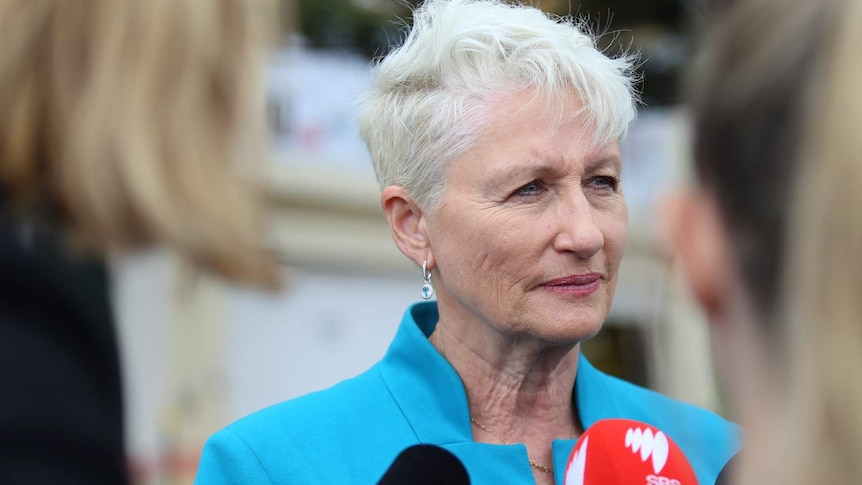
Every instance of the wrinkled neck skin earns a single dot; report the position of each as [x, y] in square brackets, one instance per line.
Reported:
[519, 388]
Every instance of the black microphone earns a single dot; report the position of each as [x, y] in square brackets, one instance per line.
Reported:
[727, 473]
[425, 465]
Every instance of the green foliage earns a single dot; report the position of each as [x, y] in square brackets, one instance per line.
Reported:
[348, 24]
[658, 29]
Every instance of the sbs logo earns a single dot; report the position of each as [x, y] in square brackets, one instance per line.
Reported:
[649, 445]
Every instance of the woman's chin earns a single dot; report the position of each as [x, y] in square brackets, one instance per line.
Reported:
[568, 331]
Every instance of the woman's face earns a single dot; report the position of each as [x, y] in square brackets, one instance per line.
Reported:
[532, 227]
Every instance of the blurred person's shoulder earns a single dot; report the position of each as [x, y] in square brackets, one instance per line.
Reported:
[59, 363]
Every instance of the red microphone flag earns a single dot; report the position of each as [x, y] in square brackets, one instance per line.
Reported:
[623, 451]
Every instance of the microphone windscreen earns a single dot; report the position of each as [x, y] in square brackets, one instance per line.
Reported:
[623, 451]
[425, 465]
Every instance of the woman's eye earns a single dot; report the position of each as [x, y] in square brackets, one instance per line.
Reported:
[533, 188]
[605, 182]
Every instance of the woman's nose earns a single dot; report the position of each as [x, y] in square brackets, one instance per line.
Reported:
[579, 231]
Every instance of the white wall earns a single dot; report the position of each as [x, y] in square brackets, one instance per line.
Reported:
[323, 328]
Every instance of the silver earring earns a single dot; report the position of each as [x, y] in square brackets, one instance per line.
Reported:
[427, 289]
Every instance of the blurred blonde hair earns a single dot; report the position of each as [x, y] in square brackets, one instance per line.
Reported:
[778, 113]
[823, 297]
[128, 122]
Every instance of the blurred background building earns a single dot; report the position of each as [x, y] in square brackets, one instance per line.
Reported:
[197, 361]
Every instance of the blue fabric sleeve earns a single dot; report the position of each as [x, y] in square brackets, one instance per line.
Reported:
[227, 459]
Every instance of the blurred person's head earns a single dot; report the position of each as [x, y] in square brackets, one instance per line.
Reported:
[770, 241]
[126, 123]
[494, 135]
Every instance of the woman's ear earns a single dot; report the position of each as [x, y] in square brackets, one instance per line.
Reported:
[407, 223]
[698, 238]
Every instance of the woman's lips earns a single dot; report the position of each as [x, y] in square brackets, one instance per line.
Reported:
[574, 285]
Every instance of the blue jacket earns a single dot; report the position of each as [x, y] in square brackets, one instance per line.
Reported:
[352, 432]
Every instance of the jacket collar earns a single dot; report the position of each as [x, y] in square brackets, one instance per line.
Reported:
[423, 383]
[430, 392]
[432, 398]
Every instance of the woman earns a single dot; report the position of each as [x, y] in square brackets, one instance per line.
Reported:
[493, 130]
[770, 240]
[124, 123]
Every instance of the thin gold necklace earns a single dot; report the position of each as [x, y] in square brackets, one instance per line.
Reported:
[541, 468]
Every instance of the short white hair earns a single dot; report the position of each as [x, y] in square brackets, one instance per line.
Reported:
[429, 98]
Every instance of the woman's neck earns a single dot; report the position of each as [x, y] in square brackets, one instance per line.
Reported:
[519, 389]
